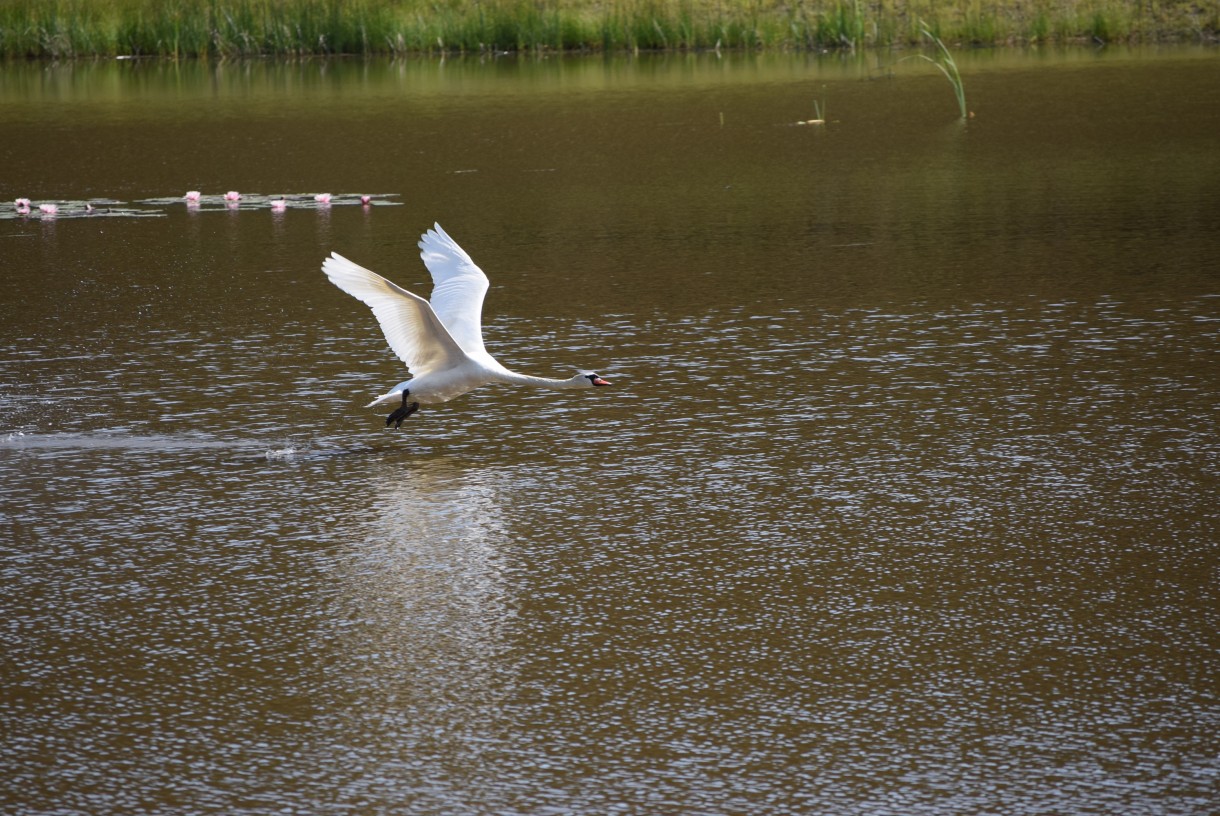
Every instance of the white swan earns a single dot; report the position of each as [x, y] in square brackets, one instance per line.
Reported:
[440, 341]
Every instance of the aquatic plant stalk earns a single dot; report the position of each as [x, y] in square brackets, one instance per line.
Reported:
[946, 65]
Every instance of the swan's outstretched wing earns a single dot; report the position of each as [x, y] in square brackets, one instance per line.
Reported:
[458, 287]
[411, 327]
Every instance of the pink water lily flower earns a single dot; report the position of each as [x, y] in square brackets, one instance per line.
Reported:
[232, 195]
[192, 195]
[48, 209]
[322, 198]
[22, 204]
[366, 200]
[279, 204]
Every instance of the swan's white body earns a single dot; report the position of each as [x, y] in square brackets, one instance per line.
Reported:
[440, 341]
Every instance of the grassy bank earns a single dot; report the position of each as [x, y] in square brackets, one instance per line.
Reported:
[233, 28]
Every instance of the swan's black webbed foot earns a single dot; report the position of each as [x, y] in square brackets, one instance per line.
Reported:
[403, 412]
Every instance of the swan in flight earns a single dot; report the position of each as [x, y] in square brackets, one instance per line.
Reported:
[441, 341]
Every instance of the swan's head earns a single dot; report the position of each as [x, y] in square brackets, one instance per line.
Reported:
[589, 379]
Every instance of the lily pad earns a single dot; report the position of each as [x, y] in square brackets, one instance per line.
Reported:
[28, 210]
[57, 210]
[291, 201]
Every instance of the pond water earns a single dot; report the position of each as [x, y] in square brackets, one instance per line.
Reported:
[903, 499]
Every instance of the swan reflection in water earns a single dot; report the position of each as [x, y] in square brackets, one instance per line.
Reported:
[425, 653]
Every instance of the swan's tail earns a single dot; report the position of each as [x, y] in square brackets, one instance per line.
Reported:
[387, 399]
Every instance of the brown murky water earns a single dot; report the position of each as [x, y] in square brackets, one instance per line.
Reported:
[903, 500]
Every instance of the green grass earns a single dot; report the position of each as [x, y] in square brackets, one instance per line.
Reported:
[235, 28]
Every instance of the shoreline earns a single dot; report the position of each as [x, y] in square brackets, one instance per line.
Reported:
[219, 29]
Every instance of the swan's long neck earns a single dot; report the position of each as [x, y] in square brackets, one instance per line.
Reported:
[540, 382]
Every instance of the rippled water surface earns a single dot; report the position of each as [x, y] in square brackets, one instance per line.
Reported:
[902, 501]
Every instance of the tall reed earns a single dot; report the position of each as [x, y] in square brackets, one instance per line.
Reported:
[944, 63]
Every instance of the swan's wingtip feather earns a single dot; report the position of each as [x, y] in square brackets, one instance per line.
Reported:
[436, 233]
[335, 261]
